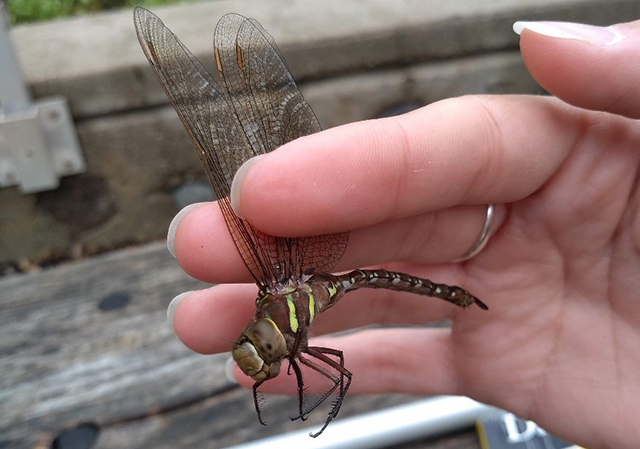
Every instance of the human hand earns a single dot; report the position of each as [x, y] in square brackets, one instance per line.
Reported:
[561, 342]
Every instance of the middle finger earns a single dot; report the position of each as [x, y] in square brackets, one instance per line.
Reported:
[205, 250]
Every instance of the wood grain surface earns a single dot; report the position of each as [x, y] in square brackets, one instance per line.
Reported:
[86, 344]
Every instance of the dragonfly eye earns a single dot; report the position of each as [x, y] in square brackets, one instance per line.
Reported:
[259, 350]
[267, 339]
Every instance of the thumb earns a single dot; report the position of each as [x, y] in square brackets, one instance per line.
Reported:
[588, 66]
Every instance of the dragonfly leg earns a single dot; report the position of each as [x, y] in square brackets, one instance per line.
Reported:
[343, 373]
[256, 401]
[301, 393]
[320, 353]
[294, 352]
[328, 393]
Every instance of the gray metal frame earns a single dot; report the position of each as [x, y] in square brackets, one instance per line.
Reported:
[38, 142]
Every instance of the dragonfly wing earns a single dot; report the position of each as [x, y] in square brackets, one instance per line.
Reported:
[206, 113]
[253, 110]
[273, 112]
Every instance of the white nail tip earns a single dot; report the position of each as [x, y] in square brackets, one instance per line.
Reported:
[602, 36]
[542, 28]
[518, 27]
[236, 184]
[173, 305]
[171, 233]
[617, 36]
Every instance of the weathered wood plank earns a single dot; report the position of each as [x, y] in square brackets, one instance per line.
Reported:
[66, 360]
[218, 422]
[70, 355]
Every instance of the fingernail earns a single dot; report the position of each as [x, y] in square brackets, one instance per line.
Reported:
[236, 185]
[173, 305]
[595, 35]
[171, 234]
[228, 370]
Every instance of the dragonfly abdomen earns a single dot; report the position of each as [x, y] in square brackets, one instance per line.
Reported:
[403, 282]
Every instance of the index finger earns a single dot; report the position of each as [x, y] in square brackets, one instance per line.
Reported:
[463, 151]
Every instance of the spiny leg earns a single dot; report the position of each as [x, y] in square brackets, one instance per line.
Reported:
[343, 386]
[328, 393]
[256, 402]
[319, 353]
[301, 393]
[294, 351]
[343, 373]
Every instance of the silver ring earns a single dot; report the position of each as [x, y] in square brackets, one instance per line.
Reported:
[483, 239]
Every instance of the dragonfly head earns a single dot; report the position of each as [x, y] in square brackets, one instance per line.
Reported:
[259, 350]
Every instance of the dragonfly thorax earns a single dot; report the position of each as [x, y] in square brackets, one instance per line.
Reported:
[259, 349]
[279, 329]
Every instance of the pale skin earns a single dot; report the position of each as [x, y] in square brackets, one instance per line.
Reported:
[560, 344]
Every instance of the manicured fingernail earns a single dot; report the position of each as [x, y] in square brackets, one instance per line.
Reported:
[171, 234]
[236, 185]
[228, 370]
[567, 30]
[173, 305]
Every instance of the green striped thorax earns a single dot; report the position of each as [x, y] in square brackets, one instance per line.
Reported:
[280, 326]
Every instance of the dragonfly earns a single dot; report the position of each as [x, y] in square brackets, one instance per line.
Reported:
[248, 107]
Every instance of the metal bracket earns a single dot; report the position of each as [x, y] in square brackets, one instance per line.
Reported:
[38, 145]
[38, 142]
